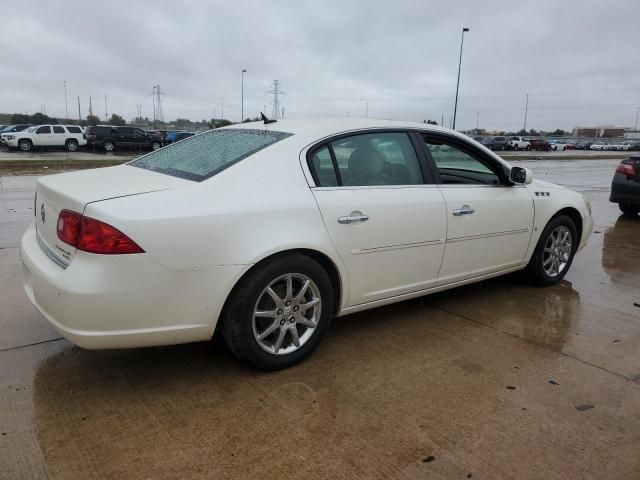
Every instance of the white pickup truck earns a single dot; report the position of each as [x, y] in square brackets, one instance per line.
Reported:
[518, 143]
[70, 137]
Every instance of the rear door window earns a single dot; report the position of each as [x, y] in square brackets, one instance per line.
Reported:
[57, 129]
[208, 153]
[367, 160]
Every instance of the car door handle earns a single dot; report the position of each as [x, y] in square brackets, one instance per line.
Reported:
[464, 210]
[354, 217]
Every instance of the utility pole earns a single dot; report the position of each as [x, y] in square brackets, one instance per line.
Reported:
[242, 98]
[90, 107]
[637, 112]
[222, 108]
[79, 114]
[526, 108]
[66, 107]
[477, 119]
[455, 107]
[106, 113]
[442, 120]
[275, 90]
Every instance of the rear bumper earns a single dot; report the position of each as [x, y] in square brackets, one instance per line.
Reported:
[123, 301]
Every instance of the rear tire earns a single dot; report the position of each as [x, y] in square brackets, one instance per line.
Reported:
[25, 145]
[109, 146]
[629, 209]
[72, 145]
[550, 250]
[156, 145]
[242, 329]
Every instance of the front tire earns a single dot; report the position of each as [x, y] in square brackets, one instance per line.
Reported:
[629, 209]
[25, 145]
[278, 314]
[109, 146]
[554, 252]
[156, 146]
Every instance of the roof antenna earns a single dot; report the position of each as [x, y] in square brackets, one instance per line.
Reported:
[266, 121]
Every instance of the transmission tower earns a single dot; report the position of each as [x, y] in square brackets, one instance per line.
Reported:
[159, 115]
[277, 110]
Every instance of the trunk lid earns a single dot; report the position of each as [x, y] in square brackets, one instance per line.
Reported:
[74, 190]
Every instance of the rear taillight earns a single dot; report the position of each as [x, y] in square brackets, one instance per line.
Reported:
[93, 236]
[68, 227]
[626, 169]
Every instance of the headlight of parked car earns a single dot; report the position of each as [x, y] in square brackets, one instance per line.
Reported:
[9, 137]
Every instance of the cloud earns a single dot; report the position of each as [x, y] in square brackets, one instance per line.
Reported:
[575, 59]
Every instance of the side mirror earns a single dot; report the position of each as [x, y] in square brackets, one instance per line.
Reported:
[521, 176]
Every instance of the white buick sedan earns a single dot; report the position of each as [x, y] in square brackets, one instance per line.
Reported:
[264, 232]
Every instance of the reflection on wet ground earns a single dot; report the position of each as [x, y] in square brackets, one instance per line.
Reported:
[483, 381]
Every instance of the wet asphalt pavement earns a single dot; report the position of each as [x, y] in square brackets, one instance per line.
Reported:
[479, 382]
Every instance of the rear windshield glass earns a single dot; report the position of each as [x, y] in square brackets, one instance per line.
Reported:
[202, 156]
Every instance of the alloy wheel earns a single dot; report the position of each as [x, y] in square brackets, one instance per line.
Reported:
[286, 314]
[557, 251]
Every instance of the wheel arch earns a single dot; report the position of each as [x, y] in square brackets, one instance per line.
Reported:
[575, 216]
[337, 282]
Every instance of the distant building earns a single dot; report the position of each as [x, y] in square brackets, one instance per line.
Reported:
[603, 131]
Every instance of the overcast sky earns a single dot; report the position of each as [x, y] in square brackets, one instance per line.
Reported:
[578, 60]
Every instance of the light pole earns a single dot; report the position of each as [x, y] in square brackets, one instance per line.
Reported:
[106, 113]
[455, 107]
[242, 97]
[66, 106]
[526, 110]
[637, 111]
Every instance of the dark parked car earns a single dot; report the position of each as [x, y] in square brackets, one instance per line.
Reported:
[583, 145]
[110, 138]
[176, 137]
[13, 129]
[493, 143]
[539, 144]
[625, 187]
[486, 141]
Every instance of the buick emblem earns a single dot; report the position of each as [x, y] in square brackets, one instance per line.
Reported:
[42, 214]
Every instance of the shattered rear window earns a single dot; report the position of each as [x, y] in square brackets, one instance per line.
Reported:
[202, 156]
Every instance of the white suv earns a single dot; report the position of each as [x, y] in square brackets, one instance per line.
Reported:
[70, 137]
[518, 143]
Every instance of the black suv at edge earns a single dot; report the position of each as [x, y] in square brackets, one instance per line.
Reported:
[109, 138]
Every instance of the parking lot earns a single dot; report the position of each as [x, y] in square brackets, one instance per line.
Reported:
[494, 380]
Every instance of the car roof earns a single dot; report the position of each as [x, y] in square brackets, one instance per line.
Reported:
[314, 129]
